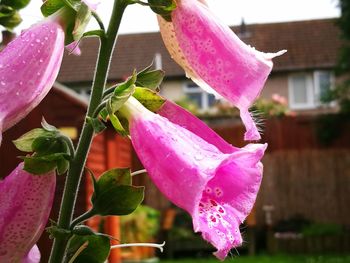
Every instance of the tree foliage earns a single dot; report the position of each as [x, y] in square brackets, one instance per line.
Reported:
[341, 93]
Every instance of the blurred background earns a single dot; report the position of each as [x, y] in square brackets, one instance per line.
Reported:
[302, 212]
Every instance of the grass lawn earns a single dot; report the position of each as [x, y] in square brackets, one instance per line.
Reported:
[270, 259]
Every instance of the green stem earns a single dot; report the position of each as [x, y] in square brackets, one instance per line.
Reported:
[82, 218]
[98, 20]
[78, 163]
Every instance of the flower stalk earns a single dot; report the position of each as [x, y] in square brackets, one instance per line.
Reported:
[78, 163]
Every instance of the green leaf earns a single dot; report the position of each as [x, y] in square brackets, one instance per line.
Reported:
[51, 6]
[117, 176]
[16, 4]
[97, 250]
[82, 230]
[114, 194]
[118, 200]
[96, 124]
[149, 99]
[24, 143]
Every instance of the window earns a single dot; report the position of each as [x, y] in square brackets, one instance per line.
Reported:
[200, 97]
[307, 89]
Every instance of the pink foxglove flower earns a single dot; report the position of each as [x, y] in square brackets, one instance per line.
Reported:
[92, 4]
[215, 58]
[33, 256]
[25, 204]
[197, 170]
[28, 68]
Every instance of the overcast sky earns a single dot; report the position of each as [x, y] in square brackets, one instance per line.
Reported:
[141, 19]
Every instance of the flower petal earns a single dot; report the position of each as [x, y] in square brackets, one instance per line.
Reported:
[33, 256]
[229, 197]
[184, 160]
[28, 68]
[25, 204]
[185, 119]
[212, 54]
[218, 189]
[92, 4]
[73, 48]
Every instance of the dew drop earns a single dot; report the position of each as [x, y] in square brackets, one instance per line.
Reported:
[199, 157]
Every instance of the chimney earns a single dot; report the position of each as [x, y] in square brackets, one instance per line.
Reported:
[243, 30]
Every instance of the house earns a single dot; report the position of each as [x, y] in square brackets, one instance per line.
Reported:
[302, 75]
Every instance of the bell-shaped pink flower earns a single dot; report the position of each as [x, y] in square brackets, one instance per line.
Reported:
[215, 58]
[197, 170]
[25, 204]
[33, 256]
[28, 68]
[92, 4]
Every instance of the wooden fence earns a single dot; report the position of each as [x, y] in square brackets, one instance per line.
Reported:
[312, 183]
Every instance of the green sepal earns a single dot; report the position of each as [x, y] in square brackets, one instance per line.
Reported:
[104, 114]
[51, 6]
[163, 8]
[117, 125]
[97, 250]
[24, 143]
[43, 164]
[114, 194]
[50, 148]
[47, 126]
[96, 124]
[6, 11]
[37, 166]
[120, 95]
[46, 145]
[149, 78]
[16, 4]
[62, 166]
[149, 99]
[9, 18]
[127, 86]
[81, 21]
